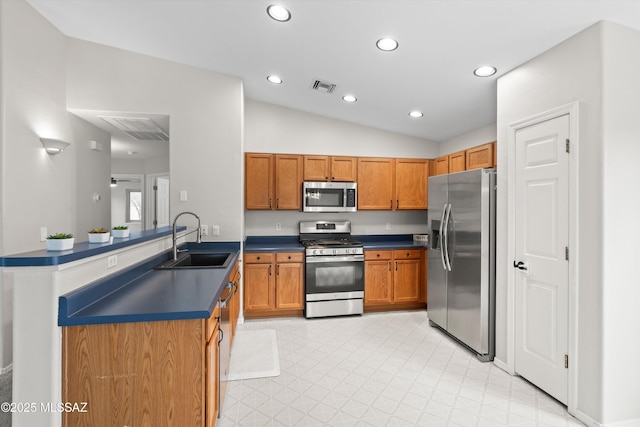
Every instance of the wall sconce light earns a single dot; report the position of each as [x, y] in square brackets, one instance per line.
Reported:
[53, 146]
[114, 183]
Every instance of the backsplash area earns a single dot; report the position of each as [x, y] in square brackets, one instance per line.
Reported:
[264, 223]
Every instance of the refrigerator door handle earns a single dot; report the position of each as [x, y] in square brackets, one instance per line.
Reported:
[441, 237]
[445, 249]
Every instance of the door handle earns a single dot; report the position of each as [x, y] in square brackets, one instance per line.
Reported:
[520, 265]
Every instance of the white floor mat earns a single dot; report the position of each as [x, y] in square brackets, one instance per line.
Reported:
[254, 355]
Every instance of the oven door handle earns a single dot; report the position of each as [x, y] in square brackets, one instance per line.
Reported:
[331, 258]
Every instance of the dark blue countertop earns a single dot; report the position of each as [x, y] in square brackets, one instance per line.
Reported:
[292, 243]
[82, 250]
[141, 294]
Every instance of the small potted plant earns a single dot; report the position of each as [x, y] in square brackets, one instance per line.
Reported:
[60, 242]
[120, 231]
[99, 235]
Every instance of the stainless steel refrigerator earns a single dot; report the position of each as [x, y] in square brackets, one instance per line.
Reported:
[461, 258]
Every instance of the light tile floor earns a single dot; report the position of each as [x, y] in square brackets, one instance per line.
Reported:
[389, 369]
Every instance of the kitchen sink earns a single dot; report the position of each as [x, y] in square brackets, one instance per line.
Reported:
[198, 260]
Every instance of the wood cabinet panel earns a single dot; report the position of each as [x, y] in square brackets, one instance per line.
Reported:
[378, 279]
[371, 255]
[259, 182]
[481, 156]
[411, 183]
[457, 162]
[441, 165]
[140, 373]
[212, 379]
[344, 169]
[288, 181]
[258, 286]
[406, 280]
[375, 183]
[330, 168]
[258, 257]
[289, 285]
[316, 168]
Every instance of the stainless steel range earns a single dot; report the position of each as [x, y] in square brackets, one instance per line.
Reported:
[334, 269]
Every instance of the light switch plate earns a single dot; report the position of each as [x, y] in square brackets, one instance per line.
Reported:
[183, 195]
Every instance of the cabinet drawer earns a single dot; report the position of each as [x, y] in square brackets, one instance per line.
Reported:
[258, 257]
[212, 322]
[289, 256]
[373, 255]
[406, 254]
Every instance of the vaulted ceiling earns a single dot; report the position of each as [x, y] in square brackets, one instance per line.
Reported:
[441, 42]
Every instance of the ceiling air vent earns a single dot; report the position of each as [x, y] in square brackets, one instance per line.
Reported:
[324, 87]
[139, 128]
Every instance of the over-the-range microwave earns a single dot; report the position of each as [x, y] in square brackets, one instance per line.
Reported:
[329, 196]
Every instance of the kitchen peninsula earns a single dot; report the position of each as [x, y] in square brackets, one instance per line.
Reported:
[100, 284]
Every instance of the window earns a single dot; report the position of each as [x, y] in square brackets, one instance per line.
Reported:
[134, 206]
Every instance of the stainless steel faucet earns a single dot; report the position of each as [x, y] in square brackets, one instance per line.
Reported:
[175, 238]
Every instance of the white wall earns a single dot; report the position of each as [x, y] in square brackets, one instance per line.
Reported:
[595, 68]
[206, 113]
[621, 234]
[273, 129]
[471, 139]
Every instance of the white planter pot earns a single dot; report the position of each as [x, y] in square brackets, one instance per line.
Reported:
[120, 234]
[98, 237]
[60, 244]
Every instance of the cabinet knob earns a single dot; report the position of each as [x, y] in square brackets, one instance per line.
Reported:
[408, 254]
[378, 255]
[289, 257]
[258, 258]
[333, 177]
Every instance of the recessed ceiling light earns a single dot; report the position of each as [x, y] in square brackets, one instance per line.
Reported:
[387, 44]
[274, 79]
[416, 114]
[349, 98]
[485, 71]
[279, 13]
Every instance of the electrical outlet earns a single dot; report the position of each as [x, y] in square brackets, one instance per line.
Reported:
[112, 261]
[388, 226]
[278, 226]
[204, 230]
[215, 230]
[43, 234]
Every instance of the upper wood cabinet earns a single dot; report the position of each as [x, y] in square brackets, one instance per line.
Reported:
[258, 180]
[411, 183]
[441, 165]
[457, 162]
[330, 168]
[273, 181]
[288, 182]
[481, 156]
[376, 177]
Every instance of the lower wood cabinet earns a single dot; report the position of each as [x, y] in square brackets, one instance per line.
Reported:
[394, 279]
[141, 373]
[273, 284]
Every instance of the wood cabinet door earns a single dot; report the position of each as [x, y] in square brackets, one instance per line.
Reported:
[376, 183]
[457, 162]
[411, 183]
[344, 169]
[212, 378]
[258, 181]
[316, 168]
[289, 285]
[406, 280]
[258, 286]
[378, 282]
[480, 157]
[441, 165]
[288, 182]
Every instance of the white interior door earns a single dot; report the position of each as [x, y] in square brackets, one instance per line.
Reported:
[542, 270]
[162, 202]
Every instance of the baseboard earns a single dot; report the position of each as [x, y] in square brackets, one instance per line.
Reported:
[6, 369]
